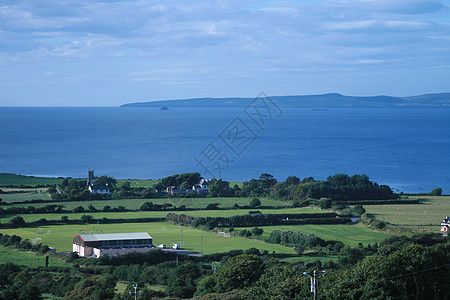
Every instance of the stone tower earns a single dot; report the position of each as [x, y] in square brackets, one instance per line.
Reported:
[90, 181]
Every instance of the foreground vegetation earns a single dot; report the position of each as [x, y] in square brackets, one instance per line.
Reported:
[400, 268]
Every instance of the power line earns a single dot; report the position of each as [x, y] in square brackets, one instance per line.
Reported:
[387, 278]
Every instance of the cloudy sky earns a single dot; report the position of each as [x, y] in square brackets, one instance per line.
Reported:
[94, 52]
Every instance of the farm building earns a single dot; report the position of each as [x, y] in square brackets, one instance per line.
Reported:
[96, 188]
[111, 244]
[445, 225]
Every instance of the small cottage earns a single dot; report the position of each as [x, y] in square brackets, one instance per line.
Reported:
[445, 225]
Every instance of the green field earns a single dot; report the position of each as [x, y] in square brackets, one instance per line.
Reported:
[348, 234]
[60, 237]
[19, 197]
[136, 183]
[225, 202]
[429, 212]
[18, 180]
[28, 259]
[155, 214]
[30, 190]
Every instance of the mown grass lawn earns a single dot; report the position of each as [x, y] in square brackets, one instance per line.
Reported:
[60, 236]
[28, 259]
[429, 212]
[348, 234]
[155, 214]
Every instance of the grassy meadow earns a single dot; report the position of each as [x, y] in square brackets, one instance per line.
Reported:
[426, 215]
[60, 236]
[28, 259]
[137, 183]
[348, 234]
[224, 202]
[155, 214]
[16, 197]
[19, 180]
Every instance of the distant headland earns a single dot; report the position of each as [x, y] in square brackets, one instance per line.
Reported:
[331, 100]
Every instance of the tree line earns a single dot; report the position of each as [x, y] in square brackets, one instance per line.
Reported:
[257, 219]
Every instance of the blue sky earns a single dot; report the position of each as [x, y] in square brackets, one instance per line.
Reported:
[82, 53]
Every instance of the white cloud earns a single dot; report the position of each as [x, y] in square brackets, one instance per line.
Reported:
[222, 41]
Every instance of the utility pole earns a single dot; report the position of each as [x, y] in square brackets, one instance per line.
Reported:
[314, 282]
[135, 286]
[181, 237]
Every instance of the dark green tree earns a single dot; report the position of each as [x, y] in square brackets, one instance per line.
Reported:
[255, 202]
[292, 180]
[206, 285]
[17, 221]
[92, 208]
[350, 255]
[239, 272]
[105, 180]
[219, 188]
[86, 218]
[281, 282]
[436, 192]
[147, 206]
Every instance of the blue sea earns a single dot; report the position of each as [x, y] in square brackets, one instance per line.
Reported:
[406, 148]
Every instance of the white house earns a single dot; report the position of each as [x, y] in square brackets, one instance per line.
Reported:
[201, 187]
[445, 225]
[96, 188]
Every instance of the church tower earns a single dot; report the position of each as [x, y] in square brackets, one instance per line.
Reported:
[90, 181]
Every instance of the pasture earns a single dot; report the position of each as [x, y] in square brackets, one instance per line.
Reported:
[427, 215]
[60, 236]
[224, 202]
[39, 194]
[28, 259]
[137, 183]
[155, 214]
[348, 234]
[21, 180]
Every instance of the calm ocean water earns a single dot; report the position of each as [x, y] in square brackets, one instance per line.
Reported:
[406, 148]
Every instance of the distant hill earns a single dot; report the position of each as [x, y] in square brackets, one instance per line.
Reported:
[309, 101]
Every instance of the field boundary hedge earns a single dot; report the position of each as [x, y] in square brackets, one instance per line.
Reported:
[249, 220]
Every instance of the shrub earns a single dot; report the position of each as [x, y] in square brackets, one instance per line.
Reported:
[325, 203]
[212, 206]
[147, 206]
[256, 231]
[301, 202]
[17, 221]
[78, 209]
[255, 202]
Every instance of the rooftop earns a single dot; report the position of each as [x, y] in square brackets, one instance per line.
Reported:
[114, 236]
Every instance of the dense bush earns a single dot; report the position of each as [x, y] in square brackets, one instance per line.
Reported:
[344, 187]
[295, 239]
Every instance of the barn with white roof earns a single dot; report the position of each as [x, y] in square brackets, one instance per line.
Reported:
[112, 244]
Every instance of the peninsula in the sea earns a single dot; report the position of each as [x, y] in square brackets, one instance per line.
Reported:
[310, 101]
